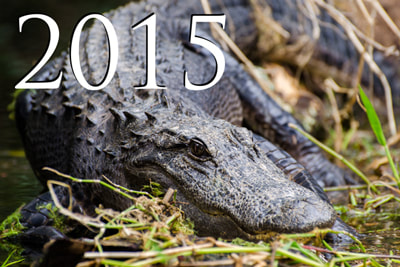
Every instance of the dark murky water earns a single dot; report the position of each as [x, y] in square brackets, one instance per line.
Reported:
[381, 228]
[17, 182]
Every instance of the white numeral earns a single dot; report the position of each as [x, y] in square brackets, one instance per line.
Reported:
[113, 52]
[207, 44]
[54, 35]
[150, 23]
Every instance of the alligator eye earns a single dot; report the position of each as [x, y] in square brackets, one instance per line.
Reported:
[198, 148]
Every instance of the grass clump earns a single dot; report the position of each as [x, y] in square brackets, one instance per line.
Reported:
[154, 189]
[58, 221]
[161, 235]
[11, 226]
[7, 260]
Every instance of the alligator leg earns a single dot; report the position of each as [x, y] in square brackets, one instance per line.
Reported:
[38, 219]
[265, 117]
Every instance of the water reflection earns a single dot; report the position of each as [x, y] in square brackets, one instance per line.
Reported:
[17, 181]
[381, 228]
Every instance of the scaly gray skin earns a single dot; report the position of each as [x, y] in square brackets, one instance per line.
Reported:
[225, 178]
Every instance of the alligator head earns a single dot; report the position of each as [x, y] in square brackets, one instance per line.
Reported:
[225, 182]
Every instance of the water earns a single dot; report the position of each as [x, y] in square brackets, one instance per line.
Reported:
[381, 228]
[17, 181]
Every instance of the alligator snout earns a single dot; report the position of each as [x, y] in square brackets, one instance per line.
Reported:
[259, 198]
[219, 169]
[294, 209]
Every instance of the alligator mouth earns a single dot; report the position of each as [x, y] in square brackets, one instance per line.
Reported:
[267, 235]
[286, 216]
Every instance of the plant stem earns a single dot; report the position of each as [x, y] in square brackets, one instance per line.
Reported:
[336, 155]
[394, 169]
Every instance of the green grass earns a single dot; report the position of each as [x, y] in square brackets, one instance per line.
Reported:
[336, 155]
[11, 225]
[9, 228]
[160, 244]
[7, 260]
[165, 238]
[377, 129]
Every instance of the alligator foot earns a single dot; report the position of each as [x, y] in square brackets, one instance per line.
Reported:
[43, 222]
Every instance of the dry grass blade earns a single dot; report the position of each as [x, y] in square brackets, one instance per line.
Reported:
[145, 254]
[223, 37]
[337, 119]
[349, 29]
[381, 11]
[84, 220]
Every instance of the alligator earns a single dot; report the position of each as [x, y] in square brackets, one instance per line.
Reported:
[228, 150]
[317, 46]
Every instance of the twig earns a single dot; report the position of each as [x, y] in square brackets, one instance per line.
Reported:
[340, 18]
[361, 186]
[85, 220]
[236, 51]
[145, 254]
[94, 181]
[381, 11]
[336, 155]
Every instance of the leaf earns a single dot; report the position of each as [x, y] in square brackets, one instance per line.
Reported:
[373, 118]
